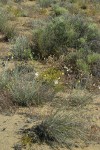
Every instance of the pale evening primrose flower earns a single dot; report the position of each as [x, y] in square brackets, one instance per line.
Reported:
[99, 87]
[56, 82]
[36, 74]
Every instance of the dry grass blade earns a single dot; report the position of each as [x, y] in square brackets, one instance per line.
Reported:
[62, 128]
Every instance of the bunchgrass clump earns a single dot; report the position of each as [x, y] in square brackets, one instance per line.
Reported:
[26, 93]
[61, 128]
[27, 90]
[79, 98]
[22, 92]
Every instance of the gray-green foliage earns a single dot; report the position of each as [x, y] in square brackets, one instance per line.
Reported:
[57, 10]
[21, 48]
[26, 89]
[79, 98]
[93, 61]
[82, 62]
[67, 31]
[25, 92]
[22, 91]
[45, 3]
[3, 19]
[5, 27]
[4, 79]
[63, 128]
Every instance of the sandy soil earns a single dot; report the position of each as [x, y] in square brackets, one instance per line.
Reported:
[11, 124]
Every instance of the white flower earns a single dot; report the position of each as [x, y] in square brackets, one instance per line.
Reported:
[56, 82]
[59, 78]
[65, 67]
[99, 87]
[36, 74]
[62, 73]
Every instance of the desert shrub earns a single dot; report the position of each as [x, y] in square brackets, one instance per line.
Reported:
[45, 3]
[4, 79]
[27, 93]
[80, 62]
[57, 10]
[93, 58]
[94, 63]
[15, 11]
[64, 129]
[73, 63]
[26, 90]
[38, 23]
[5, 27]
[22, 92]
[83, 66]
[65, 32]
[3, 19]
[9, 32]
[21, 48]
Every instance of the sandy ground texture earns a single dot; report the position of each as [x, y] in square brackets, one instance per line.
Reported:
[11, 124]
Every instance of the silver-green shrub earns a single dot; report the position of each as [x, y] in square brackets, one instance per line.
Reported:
[21, 48]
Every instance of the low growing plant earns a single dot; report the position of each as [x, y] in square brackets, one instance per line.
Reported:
[4, 79]
[7, 29]
[21, 48]
[79, 98]
[45, 3]
[61, 128]
[26, 90]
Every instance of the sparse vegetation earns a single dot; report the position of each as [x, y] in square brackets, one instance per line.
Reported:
[50, 58]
